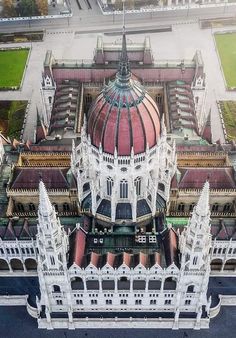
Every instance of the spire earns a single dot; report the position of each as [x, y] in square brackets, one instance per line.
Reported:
[123, 74]
[202, 207]
[45, 206]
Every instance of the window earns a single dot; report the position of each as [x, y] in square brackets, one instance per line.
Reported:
[123, 189]
[215, 207]
[137, 183]
[138, 301]
[108, 301]
[59, 302]
[52, 260]
[167, 301]
[190, 288]
[109, 186]
[66, 207]
[56, 288]
[195, 260]
[94, 301]
[181, 207]
[20, 207]
[79, 301]
[55, 207]
[227, 207]
[123, 301]
[187, 301]
[159, 99]
[88, 99]
[191, 206]
[153, 302]
[161, 187]
[49, 98]
[31, 207]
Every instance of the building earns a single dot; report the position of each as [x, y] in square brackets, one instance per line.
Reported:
[121, 177]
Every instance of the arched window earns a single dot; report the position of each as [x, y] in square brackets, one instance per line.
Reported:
[20, 207]
[191, 206]
[86, 187]
[56, 288]
[52, 260]
[215, 207]
[137, 183]
[109, 186]
[31, 207]
[123, 189]
[50, 99]
[55, 206]
[190, 288]
[181, 207]
[161, 187]
[227, 207]
[159, 99]
[88, 99]
[195, 259]
[66, 207]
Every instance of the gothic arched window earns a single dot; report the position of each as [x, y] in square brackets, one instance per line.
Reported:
[55, 206]
[215, 207]
[227, 207]
[56, 288]
[123, 189]
[191, 206]
[109, 186]
[181, 207]
[31, 207]
[66, 207]
[20, 207]
[137, 183]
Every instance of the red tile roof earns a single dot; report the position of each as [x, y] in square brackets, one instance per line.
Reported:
[79, 248]
[29, 178]
[218, 178]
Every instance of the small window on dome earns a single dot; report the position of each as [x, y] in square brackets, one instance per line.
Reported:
[109, 167]
[137, 167]
[124, 105]
[123, 169]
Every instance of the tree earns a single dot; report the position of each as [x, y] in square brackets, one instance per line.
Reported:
[27, 8]
[8, 9]
[42, 6]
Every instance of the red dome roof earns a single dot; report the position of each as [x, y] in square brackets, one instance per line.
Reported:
[124, 116]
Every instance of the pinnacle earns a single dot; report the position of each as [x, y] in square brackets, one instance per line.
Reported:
[45, 206]
[202, 207]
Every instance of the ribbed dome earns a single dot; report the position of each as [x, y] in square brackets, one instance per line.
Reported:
[124, 118]
[124, 115]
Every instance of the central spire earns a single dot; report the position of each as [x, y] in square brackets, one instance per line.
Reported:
[123, 75]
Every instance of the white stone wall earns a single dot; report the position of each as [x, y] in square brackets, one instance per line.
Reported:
[154, 167]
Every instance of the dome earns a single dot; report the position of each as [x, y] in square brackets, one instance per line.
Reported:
[124, 116]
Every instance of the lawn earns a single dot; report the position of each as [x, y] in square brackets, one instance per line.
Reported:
[12, 65]
[228, 109]
[12, 115]
[226, 45]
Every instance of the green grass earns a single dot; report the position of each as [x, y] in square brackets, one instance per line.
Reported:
[12, 115]
[228, 109]
[12, 65]
[226, 45]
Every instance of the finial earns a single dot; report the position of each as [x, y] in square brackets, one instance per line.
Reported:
[123, 75]
[45, 206]
[202, 207]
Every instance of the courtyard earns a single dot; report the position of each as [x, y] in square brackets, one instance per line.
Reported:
[12, 65]
[226, 45]
[228, 109]
[12, 115]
